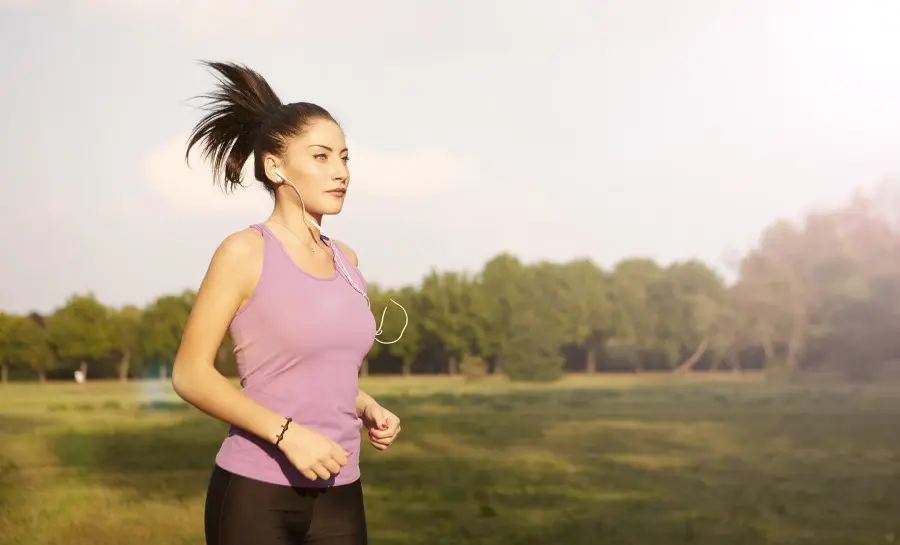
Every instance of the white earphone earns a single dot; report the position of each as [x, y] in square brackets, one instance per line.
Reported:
[339, 265]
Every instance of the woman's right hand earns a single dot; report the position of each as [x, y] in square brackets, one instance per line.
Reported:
[313, 454]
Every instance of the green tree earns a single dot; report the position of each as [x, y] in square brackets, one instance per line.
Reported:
[533, 353]
[81, 331]
[729, 335]
[33, 346]
[447, 303]
[690, 300]
[539, 327]
[587, 309]
[499, 288]
[391, 320]
[23, 342]
[161, 327]
[821, 291]
[126, 343]
[7, 345]
[635, 318]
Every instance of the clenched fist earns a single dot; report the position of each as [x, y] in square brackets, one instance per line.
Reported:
[315, 455]
[383, 425]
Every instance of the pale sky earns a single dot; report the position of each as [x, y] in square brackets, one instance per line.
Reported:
[596, 128]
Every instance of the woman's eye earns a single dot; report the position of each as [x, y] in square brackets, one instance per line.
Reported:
[345, 159]
[320, 156]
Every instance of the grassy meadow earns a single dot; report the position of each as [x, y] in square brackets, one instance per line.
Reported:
[590, 461]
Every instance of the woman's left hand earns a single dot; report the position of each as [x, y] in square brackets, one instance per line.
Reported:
[383, 425]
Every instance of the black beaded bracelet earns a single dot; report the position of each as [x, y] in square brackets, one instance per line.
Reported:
[283, 429]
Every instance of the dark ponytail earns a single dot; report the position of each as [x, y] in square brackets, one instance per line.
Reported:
[245, 117]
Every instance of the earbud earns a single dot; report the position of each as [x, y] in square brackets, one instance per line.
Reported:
[280, 178]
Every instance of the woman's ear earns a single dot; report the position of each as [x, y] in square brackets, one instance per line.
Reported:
[273, 169]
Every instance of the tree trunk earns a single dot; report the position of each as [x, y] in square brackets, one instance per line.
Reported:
[798, 332]
[4, 373]
[84, 369]
[42, 374]
[591, 363]
[637, 362]
[406, 365]
[695, 357]
[452, 366]
[163, 372]
[768, 350]
[364, 368]
[793, 350]
[124, 365]
[498, 367]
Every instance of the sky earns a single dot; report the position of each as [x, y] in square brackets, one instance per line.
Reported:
[593, 129]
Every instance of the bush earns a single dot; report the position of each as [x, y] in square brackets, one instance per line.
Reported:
[473, 368]
[533, 352]
[534, 367]
[778, 371]
[532, 355]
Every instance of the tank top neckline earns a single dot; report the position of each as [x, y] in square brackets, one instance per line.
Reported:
[267, 233]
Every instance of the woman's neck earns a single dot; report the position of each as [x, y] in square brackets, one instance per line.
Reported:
[292, 218]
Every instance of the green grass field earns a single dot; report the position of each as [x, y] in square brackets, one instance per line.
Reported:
[585, 461]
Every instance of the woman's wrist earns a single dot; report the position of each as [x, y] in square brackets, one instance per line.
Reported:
[366, 406]
[363, 402]
[277, 428]
[279, 437]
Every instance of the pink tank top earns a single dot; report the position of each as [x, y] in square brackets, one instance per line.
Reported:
[299, 342]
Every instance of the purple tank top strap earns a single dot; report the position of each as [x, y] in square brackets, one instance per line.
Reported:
[274, 254]
[339, 254]
[263, 230]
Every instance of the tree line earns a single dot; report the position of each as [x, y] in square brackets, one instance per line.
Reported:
[821, 294]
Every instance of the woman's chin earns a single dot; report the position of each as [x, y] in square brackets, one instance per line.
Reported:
[328, 210]
[331, 209]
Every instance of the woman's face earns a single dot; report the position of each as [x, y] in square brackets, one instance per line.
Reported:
[316, 163]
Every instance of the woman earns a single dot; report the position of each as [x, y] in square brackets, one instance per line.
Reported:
[294, 301]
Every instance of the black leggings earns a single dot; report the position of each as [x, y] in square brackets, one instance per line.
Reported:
[242, 511]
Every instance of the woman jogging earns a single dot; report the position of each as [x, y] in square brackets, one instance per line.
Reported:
[294, 302]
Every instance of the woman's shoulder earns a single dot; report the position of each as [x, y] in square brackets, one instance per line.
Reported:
[241, 245]
[239, 257]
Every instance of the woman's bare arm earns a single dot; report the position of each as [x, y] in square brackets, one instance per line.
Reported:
[363, 400]
[232, 274]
